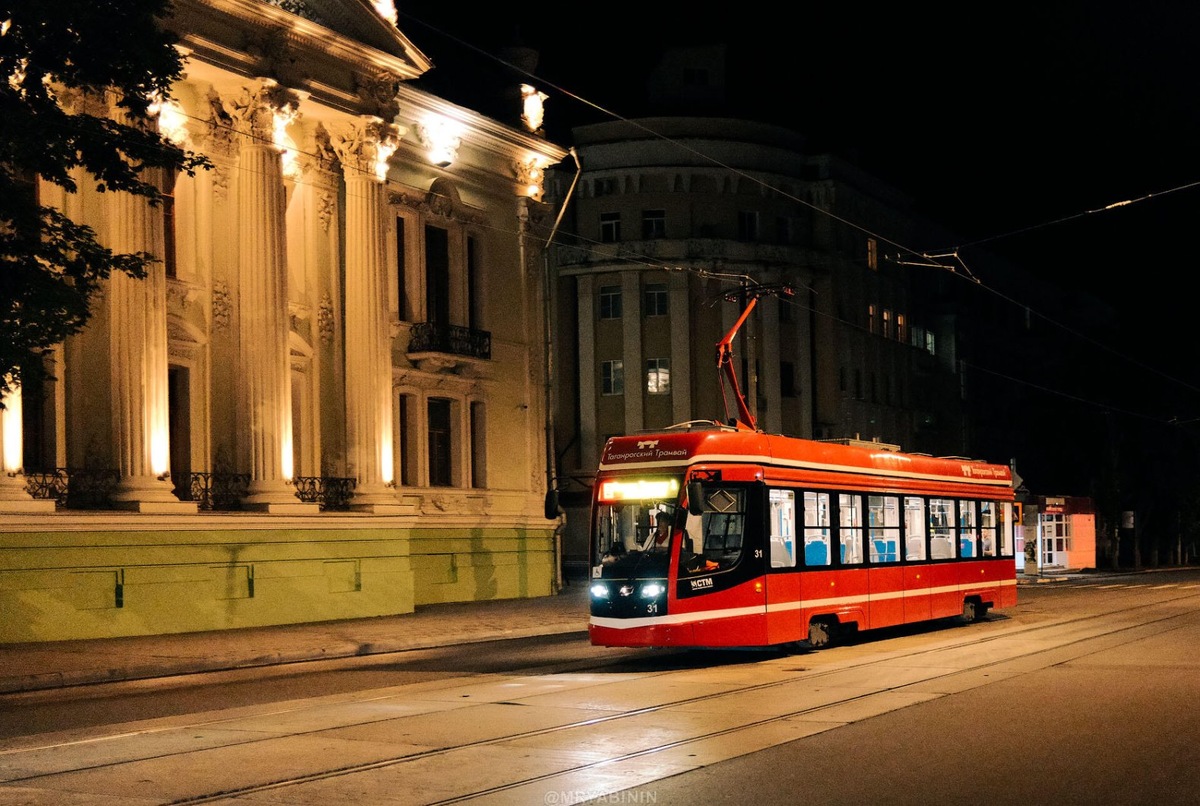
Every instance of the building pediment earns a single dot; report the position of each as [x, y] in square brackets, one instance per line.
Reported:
[335, 50]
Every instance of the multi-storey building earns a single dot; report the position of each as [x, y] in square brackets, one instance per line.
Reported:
[673, 225]
[327, 400]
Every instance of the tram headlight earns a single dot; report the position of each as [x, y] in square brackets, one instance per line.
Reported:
[599, 591]
[652, 590]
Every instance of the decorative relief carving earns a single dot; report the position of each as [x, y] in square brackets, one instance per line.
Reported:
[362, 146]
[220, 182]
[222, 306]
[377, 94]
[326, 319]
[325, 208]
[254, 111]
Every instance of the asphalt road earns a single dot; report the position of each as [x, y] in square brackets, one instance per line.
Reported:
[1080, 694]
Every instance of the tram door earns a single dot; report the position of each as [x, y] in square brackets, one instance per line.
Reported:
[782, 550]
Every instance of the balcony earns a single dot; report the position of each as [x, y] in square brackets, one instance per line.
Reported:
[436, 346]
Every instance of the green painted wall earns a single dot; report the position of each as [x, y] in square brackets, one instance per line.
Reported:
[126, 579]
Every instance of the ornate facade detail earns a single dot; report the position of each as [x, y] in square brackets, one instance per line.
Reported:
[220, 135]
[220, 182]
[326, 203]
[180, 295]
[222, 306]
[377, 94]
[254, 111]
[362, 146]
[326, 320]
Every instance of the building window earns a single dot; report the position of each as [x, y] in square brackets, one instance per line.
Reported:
[441, 451]
[407, 448]
[612, 377]
[610, 227]
[606, 186]
[610, 302]
[474, 275]
[787, 379]
[437, 275]
[901, 328]
[872, 319]
[658, 376]
[403, 307]
[872, 254]
[930, 343]
[785, 229]
[654, 224]
[887, 323]
[478, 445]
[747, 225]
[655, 302]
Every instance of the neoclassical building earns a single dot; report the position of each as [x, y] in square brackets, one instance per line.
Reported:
[328, 398]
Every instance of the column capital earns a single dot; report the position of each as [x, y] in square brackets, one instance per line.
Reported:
[261, 110]
[364, 145]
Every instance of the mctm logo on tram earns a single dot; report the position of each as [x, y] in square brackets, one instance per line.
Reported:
[647, 444]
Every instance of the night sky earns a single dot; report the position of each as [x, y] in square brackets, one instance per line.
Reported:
[1009, 124]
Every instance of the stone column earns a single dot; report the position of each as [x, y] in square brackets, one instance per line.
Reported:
[262, 299]
[138, 361]
[13, 495]
[363, 150]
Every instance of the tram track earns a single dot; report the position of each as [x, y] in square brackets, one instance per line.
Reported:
[1118, 621]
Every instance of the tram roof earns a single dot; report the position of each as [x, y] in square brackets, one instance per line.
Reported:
[706, 443]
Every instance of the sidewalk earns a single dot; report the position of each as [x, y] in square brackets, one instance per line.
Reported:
[57, 664]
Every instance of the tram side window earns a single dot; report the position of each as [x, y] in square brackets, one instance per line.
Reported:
[914, 528]
[988, 523]
[968, 529]
[816, 529]
[850, 528]
[941, 528]
[1007, 524]
[883, 521]
[783, 528]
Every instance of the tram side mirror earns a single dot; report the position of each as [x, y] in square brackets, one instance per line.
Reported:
[551, 504]
[695, 491]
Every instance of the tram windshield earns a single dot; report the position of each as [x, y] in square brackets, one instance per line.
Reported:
[635, 519]
[638, 521]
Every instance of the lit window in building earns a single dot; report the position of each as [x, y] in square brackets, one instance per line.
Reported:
[654, 224]
[610, 302]
[901, 328]
[612, 377]
[887, 323]
[655, 302]
[872, 254]
[658, 376]
[610, 227]
[872, 316]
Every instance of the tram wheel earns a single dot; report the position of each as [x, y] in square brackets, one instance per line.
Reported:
[820, 633]
[973, 610]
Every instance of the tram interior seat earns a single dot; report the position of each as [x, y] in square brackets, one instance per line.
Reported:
[916, 548]
[816, 553]
[968, 547]
[884, 551]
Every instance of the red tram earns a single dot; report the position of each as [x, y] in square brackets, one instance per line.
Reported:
[776, 540]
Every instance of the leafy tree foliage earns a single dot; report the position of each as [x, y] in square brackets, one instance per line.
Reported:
[114, 50]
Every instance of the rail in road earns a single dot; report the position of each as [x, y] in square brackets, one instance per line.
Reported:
[563, 734]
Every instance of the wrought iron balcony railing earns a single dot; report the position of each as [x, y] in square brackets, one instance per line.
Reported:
[435, 337]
